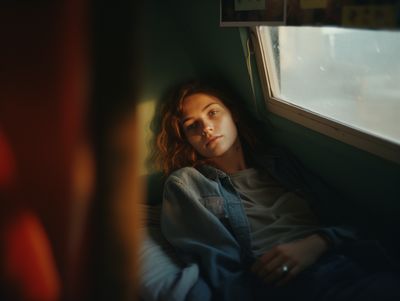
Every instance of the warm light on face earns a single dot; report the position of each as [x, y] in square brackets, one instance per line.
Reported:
[208, 125]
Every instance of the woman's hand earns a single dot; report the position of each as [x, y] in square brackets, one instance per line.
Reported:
[286, 261]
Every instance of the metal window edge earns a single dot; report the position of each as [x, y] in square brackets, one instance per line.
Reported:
[378, 146]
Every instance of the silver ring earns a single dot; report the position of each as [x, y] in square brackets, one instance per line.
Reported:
[284, 269]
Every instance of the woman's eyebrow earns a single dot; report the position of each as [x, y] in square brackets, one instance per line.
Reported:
[210, 104]
[205, 108]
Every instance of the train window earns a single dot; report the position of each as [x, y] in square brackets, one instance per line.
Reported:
[343, 81]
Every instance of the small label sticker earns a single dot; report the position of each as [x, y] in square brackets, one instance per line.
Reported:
[374, 16]
[312, 4]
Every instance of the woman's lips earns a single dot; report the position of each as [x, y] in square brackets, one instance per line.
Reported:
[212, 139]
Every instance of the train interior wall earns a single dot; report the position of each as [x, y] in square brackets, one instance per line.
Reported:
[183, 39]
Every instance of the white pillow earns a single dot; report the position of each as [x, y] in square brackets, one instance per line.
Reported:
[163, 275]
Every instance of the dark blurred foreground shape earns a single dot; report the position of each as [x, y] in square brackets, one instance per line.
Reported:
[66, 76]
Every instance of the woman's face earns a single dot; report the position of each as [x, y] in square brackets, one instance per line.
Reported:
[208, 125]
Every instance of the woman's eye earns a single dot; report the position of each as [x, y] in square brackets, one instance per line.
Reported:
[192, 126]
[213, 112]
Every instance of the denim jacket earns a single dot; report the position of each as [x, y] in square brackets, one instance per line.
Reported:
[204, 219]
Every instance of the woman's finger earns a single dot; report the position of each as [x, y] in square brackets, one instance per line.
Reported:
[258, 266]
[272, 266]
[279, 272]
[292, 273]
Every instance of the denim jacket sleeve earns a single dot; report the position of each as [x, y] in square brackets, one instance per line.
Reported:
[199, 236]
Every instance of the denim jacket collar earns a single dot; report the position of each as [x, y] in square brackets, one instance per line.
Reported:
[212, 172]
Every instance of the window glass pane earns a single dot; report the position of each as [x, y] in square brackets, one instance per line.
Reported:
[350, 76]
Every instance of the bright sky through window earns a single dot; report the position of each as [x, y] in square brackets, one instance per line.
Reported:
[350, 76]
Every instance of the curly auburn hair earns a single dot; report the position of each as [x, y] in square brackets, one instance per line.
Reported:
[172, 150]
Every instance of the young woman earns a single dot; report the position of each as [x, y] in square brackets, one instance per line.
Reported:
[247, 214]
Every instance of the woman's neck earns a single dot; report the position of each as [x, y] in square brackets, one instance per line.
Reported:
[231, 161]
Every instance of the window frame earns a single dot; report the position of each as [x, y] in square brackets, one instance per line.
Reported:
[317, 122]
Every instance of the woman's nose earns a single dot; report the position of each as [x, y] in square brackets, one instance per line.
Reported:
[207, 130]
